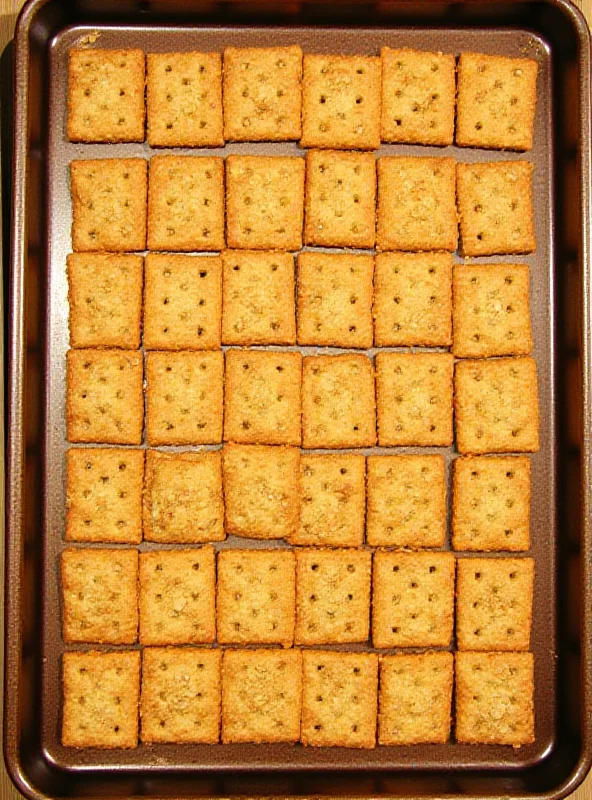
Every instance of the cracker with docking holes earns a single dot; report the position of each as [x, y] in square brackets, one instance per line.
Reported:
[418, 96]
[406, 501]
[264, 202]
[339, 699]
[256, 598]
[100, 595]
[332, 500]
[186, 203]
[262, 397]
[491, 310]
[335, 299]
[261, 490]
[262, 93]
[491, 503]
[104, 495]
[182, 302]
[106, 95]
[340, 201]
[184, 394]
[416, 204]
[181, 691]
[104, 396]
[496, 101]
[496, 406]
[338, 405]
[495, 208]
[109, 204]
[258, 296]
[178, 596]
[413, 299]
[184, 99]
[494, 603]
[414, 399]
[412, 599]
[105, 299]
[341, 102]
[415, 698]
[183, 497]
[332, 596]
[101, 694]
[261, 695]
[494, 698]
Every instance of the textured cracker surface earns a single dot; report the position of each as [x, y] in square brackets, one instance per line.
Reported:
[415, 698]
[183, 497]
[491, 503]
[181, 691]
[494, 698]
[406, 501]
[104, 495]
[261, 695]
[177, 596]
[101, 696]
[339, 699]
[256, 598]
[332, 596]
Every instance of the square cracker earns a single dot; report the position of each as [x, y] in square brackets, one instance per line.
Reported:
[258, 298]
[414, 399]
[106, 95]
[109, 204]
[418, 96]
[415, 698]
[491, 503]
[340, 201]
[104, 495]
[184, 99]
[416, 204]
[335, 299]
[183, 497]
[184, 392]
[261, 490]
[105, 299]
[332, 596]
[262, 397]
[339, 699]
[338, 408]
[186, 203]
[101, 693]
[496, 406]
[332, 500]
[264, 202]
[491, 311]
[261, 695]
[494, 698]
[182, 302]
[412, 599]
[406, 501]
[341, 102]
[104, 396]
[178, 596]
[262, 93]
[181, 691]
[100, 595]
[494, 603]
[413, 299]
[495, 208]
[256, 597]
[496, 101]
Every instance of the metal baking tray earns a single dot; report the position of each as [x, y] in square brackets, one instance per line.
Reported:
[553, 32]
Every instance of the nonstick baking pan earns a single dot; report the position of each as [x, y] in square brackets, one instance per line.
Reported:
[553, 32]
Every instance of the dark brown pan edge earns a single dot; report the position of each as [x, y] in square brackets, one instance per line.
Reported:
[29, 766]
